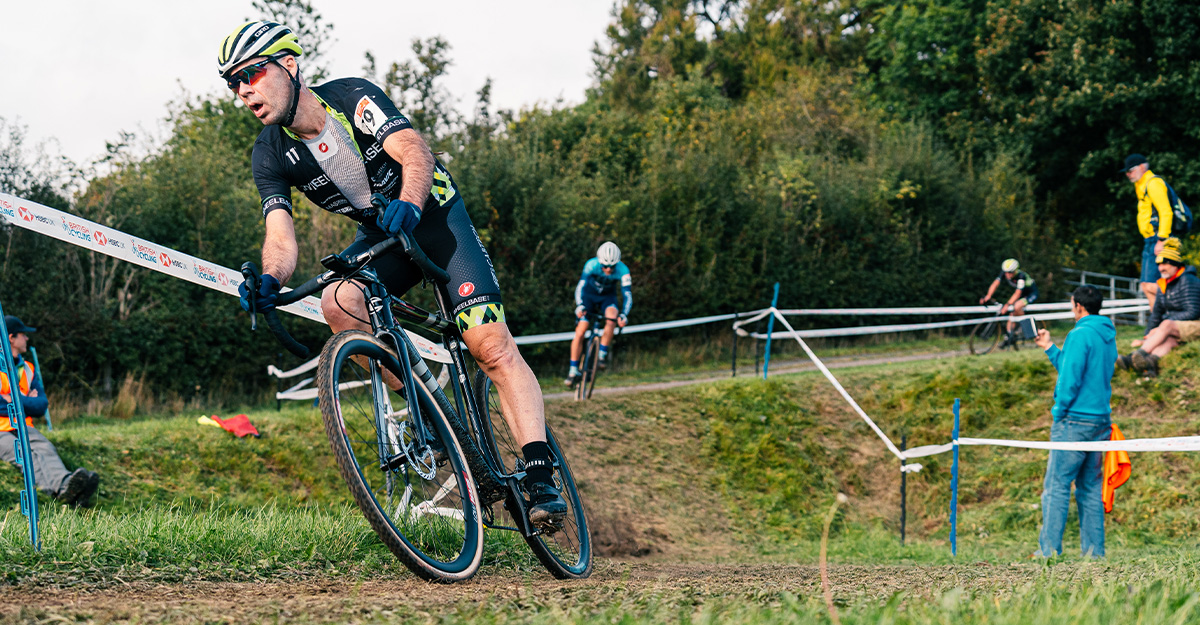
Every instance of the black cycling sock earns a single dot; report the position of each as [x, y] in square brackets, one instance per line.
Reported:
[537, 461]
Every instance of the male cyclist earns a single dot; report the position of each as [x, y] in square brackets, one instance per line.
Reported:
[597, 293]
[339, 143]
[1025, 292]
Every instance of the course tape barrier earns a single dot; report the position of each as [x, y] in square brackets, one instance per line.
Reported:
[1181, 443]
[945, 310]
[645, 327]
[911, 327]
[112, 242]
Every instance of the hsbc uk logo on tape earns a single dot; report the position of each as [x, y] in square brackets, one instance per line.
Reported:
[208, 274]
[103, 241]
[165, 260]
[74, 230]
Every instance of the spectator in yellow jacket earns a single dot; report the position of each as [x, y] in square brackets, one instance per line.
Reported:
[1154, 218]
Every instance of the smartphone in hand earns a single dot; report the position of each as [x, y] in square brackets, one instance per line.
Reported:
[1028, 327]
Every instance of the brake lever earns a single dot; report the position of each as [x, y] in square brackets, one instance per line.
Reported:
[250, 274]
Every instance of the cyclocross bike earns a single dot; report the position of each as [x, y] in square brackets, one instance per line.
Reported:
[986, 336]
[589, 367]
[428, 473]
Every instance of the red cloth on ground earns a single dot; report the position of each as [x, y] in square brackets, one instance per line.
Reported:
[239, 425]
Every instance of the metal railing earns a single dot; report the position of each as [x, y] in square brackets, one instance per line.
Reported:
[1118, 287]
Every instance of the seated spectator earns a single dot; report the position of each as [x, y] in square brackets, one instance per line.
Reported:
[74, 488]
[1175, 316]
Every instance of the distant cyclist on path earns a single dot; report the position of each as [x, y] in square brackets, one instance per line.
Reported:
[1025, 292]
[339, 143]
[596, 293]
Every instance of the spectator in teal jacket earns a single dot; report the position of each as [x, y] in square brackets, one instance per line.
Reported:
[1082, 412]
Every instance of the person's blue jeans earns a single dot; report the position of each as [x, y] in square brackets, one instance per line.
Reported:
[1149, 266]
[1086, 469]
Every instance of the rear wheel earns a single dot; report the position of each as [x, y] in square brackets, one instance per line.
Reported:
[567, 552]
[407, 474]
[984, 337]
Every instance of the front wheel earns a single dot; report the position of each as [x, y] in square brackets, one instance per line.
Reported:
[407, 474]
[567, 552]
[984, 337]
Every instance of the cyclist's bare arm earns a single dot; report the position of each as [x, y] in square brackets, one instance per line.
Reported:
[991, 291]
[279, 246]
[416, 161]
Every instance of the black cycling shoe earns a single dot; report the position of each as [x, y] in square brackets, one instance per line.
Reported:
[603, 364]
[571, 381]
[547, 508]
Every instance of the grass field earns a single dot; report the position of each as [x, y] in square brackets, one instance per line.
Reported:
[706, 504]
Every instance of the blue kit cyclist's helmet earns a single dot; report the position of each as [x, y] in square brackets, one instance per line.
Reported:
[608, 254]
[1010, 265]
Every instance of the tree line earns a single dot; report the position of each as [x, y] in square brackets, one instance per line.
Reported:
[864, 153]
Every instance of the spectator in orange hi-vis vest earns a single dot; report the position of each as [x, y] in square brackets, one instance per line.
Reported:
[74, 488]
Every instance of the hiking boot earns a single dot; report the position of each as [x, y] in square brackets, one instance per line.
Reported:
[1140, 359]
[547, 507]
[89, 491]
[74, 487]
[1125, 363]
[1151, 368]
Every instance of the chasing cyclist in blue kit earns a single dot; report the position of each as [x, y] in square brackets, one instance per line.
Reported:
[596, 293]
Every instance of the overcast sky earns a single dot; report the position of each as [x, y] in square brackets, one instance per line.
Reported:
[81, 71]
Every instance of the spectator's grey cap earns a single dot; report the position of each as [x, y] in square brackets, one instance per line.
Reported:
[1133, 160]
[15, 325]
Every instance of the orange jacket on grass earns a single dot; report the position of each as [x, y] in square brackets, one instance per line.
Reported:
[1116, 470]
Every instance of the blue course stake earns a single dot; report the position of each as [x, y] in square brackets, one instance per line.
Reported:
[954, 487]
[16, 417]
[770, 329]
[37, 375]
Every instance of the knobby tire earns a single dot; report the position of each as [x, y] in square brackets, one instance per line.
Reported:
[418, 517]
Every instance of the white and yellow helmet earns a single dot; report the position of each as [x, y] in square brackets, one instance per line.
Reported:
[1010, 265]
[254, 39]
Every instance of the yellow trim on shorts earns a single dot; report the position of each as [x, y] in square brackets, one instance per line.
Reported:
[476, 316]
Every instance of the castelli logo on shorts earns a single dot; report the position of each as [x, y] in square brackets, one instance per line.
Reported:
[466, 289]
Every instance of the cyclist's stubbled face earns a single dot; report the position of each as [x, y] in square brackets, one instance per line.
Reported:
[269, 97]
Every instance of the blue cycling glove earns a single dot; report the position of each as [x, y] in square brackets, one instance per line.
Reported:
[268, 291]
[399, 216]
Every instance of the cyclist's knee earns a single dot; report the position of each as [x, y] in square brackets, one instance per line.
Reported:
[340, 307]
[492, 347]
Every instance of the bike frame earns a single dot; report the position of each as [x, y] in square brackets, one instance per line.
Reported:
[388, 314]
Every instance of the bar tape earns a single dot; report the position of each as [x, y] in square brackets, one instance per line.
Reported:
[99, 238]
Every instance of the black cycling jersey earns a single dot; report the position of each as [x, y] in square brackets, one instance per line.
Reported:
[281, 161]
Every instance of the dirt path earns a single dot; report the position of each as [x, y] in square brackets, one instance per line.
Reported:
[386, 600]
[792, 366]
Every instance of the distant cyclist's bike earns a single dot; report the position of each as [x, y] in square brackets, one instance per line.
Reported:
[428, 473]
[589, 365]
[987, 336]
